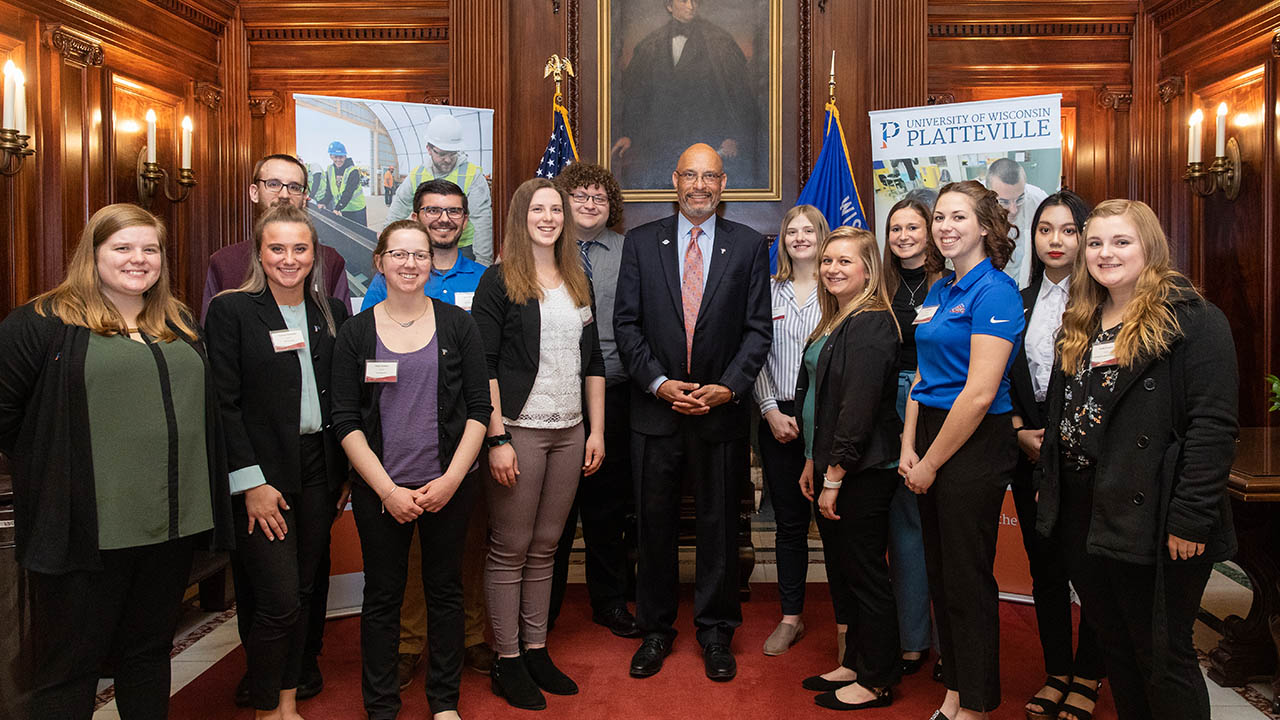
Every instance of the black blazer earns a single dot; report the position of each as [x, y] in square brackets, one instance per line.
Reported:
[730, 339]
[260, 388]
[462, 385]
[512, 335]
[856, 423]
[1164, 449]
[1021, 392]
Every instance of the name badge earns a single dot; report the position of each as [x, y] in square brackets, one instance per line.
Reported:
[585, 314]
[1103, 354]
[286, 340]
[780, 313]
[924, 314]
[463, 300]
[383, 371]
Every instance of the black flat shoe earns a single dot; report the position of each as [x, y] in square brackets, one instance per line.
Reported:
[619, 620]
[718, 660]
[828, 700]
[911, 667]
[511, 681]
[648, 658]
[817, 683]
[545, 673]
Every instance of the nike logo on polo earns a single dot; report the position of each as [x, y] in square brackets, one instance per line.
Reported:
[994, 321]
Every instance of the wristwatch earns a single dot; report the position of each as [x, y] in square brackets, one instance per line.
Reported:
[494, 441]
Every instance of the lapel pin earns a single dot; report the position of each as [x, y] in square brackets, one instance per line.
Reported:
[666, 241]
[721, 251]
[444, 351]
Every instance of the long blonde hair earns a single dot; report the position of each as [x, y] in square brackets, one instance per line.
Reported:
[255, 278]
[873, 296]
[820, 227]
[1149, 326]
[518, 270]
[78, 299]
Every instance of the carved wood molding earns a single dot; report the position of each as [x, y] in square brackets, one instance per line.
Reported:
[1275, 44]
[262, 102]
[193, 15]
[1115, 98]
[806, 90]
[422, 33]
[430, 99]
[941, 98]
[999, 29]
[572, 51]
[74, 46]
[1176, 11]
[209, 94]
[1170, 88]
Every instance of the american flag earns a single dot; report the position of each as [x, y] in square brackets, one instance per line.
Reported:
[560, 148]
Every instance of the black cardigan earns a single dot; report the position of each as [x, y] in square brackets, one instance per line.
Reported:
[260, 389]
[512, 334]
[1021, 392]
[44, 428]
[1165, 448]
[462, 385]
[856, 423]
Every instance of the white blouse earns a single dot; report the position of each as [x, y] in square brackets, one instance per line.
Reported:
[1042, 331]
[555, 401]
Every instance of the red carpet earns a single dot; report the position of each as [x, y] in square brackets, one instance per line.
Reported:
[766, 687]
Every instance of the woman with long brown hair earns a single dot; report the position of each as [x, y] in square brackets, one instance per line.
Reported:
[1142, 424]
[537, 321]
[109, 411]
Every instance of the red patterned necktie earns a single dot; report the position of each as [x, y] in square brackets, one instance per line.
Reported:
[691, 292]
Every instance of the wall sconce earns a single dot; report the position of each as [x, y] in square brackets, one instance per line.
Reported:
[152, 177]
[13, 123]
[1224, 173]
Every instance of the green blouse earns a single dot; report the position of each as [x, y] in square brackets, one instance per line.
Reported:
[808, 412]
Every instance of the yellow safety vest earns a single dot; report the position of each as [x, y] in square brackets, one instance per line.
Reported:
[423, 173]
[336, 187]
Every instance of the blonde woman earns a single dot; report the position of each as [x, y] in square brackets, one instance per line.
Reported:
[109, 412]
[849, 424]
[1142, 422]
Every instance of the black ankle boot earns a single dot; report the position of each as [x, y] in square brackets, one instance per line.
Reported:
[546, 674]
[510, 680]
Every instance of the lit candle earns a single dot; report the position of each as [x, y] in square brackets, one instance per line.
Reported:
[1193, 136]
[20, 102]
[186, 142]
[151, 136]
[1220, 148]
[7, 120]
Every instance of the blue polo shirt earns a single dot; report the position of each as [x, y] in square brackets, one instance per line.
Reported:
[463, 277]
[984, 302]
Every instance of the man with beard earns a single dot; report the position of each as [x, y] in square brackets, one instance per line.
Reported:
[442, 207]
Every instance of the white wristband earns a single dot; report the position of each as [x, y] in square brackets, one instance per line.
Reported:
[832, 484]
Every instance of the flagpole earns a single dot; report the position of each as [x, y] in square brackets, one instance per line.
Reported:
[831, 82]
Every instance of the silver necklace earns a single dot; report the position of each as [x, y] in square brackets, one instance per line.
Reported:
[916, 290]
[411, 322]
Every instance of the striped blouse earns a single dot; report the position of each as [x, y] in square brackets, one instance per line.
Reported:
[792, 324]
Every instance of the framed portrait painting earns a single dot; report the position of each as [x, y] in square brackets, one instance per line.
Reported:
[677, 72]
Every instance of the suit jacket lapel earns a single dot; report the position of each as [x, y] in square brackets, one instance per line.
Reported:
[720, 252]
[670, 258]
[268, 312]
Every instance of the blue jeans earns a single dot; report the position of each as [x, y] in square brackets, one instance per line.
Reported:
[906, 555]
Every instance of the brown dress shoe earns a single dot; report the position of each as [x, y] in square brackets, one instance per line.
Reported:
[479, 657]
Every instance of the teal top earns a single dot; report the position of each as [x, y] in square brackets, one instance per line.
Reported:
[310, 421]
[147, 438]
[808, 412]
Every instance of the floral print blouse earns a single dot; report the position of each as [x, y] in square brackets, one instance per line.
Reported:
[1086, 399]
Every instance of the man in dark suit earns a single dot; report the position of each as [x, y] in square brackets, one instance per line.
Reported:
[693, 328]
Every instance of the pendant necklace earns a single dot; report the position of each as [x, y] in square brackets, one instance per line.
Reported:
[411, 322]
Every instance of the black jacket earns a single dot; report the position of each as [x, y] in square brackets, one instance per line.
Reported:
[1021, 392]
[512, 335]
[856, 423]
[44, 428]
[1165, 447]
[260, 389]
[462, 385]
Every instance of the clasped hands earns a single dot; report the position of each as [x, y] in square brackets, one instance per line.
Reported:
[917, 473]
[689, 398]
[406, 504]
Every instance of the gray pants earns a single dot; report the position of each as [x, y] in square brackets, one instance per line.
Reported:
[525, 522]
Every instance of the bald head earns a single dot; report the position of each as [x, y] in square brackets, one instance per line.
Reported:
[699, 180]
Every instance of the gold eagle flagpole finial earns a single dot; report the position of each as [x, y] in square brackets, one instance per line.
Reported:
[555, 66]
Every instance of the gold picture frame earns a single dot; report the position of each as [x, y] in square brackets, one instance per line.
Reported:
[771, 189]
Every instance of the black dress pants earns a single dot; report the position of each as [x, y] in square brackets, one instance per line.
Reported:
[716, 473]
[1119, 597]
[858, 573]
[281, 574]
[605, 500]
[384, 546]
[126, 611]
[782, 464]
[959, 517]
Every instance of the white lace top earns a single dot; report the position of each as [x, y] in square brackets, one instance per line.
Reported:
[556, 398]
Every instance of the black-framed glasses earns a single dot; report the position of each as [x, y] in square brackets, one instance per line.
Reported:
[583, 198]
[276, 186]
[403, 255]
[434, 211]
[708, 177]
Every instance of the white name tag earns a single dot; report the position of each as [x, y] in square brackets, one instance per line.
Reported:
[924, 314]
[1103, 354]
[585, 314]
[780, 313]
[286, 340]
[463, 300]
[380, 371]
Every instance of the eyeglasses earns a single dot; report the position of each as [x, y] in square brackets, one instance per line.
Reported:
[444, 154]
[1006, 203]
[708, 177]
[403, 255]
[582, 199]
[434, 211]
[275, 186]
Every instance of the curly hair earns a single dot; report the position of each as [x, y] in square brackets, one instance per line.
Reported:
[585, 175]
[997, 245]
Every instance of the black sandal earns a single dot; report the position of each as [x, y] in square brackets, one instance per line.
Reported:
[1047, 709]
[1084, 691]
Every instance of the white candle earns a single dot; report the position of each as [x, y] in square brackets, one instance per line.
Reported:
[1193, 136]
[186, 142]
[151, 136]
[7, 120]
[20, 102]
[1220, 148]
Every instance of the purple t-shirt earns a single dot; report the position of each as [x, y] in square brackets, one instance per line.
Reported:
[409, 409]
